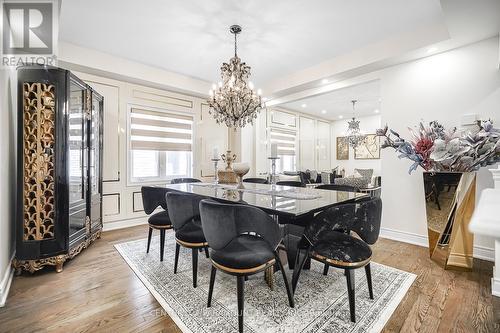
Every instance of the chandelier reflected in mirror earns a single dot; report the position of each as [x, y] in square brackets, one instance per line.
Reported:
[234, 101]
[354, 135]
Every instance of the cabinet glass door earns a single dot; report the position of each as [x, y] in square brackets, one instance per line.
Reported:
[95, 160]
[77, 159]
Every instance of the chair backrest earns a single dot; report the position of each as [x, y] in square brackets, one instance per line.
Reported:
[185, 180]
[363, 217]
[336, 187]
[223, 222]
[291, 183]
[152, 197]
[368, 217]
[183, 208]
[334, 219]
[256, 180]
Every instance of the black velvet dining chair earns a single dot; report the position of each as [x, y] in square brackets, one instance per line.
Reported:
[336, 187]
[184, 180]
[291, 183]
[185, 216]
[325, 243]
[152, 198]
[243, 241]
[256, 180]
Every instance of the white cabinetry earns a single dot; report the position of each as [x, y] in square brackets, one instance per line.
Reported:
[261, 152]
[312, 146]
[323, 162]
[307, 149]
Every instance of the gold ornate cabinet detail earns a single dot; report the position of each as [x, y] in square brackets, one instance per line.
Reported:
[450, 201]
[59, 197]
[57, 261]
[38, 149]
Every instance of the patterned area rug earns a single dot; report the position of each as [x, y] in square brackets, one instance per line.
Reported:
[321, 302]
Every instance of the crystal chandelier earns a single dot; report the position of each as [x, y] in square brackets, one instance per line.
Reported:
[354, 135]
[233, 101]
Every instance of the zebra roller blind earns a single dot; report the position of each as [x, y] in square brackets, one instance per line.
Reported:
[161, 131]
[285, 139]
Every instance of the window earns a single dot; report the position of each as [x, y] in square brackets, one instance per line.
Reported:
[286, 149]
[160, 145]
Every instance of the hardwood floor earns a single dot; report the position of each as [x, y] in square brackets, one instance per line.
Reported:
[98, 292]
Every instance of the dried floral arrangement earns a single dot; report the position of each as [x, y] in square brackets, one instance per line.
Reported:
[434, 148]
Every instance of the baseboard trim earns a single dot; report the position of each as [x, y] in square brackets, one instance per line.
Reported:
[405, 237]
[108, 226]
[480, 252]
[6, 282]
[484, 253]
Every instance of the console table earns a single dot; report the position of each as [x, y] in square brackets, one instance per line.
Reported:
[486, 221]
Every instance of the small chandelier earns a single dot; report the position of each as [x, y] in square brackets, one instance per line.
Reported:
[354, 135]
[233, 101]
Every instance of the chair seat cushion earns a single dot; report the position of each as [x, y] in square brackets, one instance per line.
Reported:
[342, 249]
[191, 232]
[160, 219]
[243, 252]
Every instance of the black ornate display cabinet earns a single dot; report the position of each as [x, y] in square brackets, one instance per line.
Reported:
[59, 197]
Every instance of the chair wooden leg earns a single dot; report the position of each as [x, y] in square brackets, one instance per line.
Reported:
[162, 243]
[300, 259]
[206, 253]
[369, 279]
[195, 267]
[246, 278]
[150, 233]
[211, 286]
[240, 288]
[350, 291]
[325, 269]
[177, 248]
[287, 285]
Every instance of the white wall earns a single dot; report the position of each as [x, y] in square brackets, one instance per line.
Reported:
[442, 87]
[368, 125]
[7, 177]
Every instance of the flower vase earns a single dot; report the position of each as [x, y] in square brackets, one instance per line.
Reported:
[449, 201]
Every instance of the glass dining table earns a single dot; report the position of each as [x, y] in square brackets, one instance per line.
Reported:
[293, 207]
[286, 201]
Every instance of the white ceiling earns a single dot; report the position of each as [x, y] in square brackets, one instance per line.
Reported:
[338, 102]
[279, 37]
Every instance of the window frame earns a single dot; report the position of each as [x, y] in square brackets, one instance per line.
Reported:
[162, 157]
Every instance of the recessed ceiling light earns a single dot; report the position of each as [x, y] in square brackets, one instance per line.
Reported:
[376, 111]
[304, 105]
[324, 81]
[340, 117]
[323, 111]
[431, 49]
